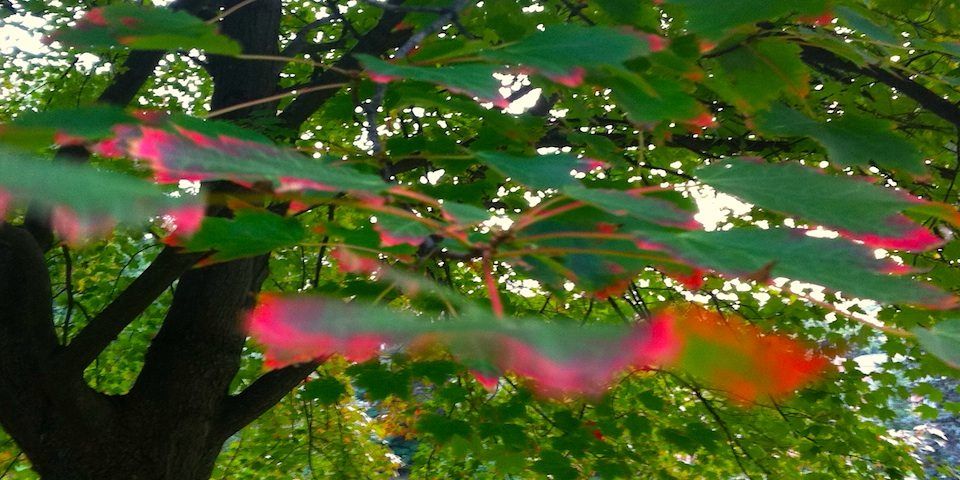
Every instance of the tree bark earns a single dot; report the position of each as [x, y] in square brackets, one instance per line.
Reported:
[168, 426]
[173, 422]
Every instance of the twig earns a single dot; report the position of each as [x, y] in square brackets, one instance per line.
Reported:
[230, 11]
[495, 303]
[323, 248]
[239, 106]
[8, 6]
[956, 170]
[732, 440]
[10, 465]
[300, 39]
[616, 308]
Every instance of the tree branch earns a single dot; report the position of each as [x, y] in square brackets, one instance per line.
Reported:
[246, 406]
[107, 325]
[376, 41]
[372, 106]
[825, 60]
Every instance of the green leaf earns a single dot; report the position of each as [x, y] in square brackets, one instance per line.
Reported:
[942, 340]
[250, 232]
[175, 155]
[475, 80]
[556, 465]
[559, 50]
[644, 207]
[327, 390]
[66, 126]
[854, 206]
[540, 172]
[849, 139]
[713, 19]
[465, 214]
[864, 25]
[86, 201]
[398, 231]
[142, 28]
[380, 381]
[443, 428]
[835, 264]
[653, 99]
[757, 73]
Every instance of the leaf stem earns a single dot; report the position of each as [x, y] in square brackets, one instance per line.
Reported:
[251, 103]
[492, 291]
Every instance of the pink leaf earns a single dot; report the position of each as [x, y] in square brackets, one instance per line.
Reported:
[75, 229]
[573, 78]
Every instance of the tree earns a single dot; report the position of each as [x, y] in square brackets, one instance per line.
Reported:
[489, 220]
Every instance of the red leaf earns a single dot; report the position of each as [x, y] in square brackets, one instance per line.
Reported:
[5, 199]
[691, 280]
[656, 42]
[75, 229]
[350, 262]
[704, 120]
[910, 237]
[726, 353]
[822, 20]
[489, 382]
[183, 222]
[380, 78]
[93, 17]
[573, 78]
[747, 363]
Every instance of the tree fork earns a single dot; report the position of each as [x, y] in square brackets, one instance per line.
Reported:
[173, 422]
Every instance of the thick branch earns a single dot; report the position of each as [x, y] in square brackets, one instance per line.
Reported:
[376, 41]
[26, 320]
[245, 407]
[828, 61]
[107, 325]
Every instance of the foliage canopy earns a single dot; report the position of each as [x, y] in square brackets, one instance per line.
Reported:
[601, 239]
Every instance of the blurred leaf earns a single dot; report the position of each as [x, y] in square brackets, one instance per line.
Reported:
[942, 340]
[88, 202]
[144, 28]
[250, 232]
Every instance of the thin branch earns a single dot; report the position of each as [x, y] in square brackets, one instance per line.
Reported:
[8, 6]
[823, 59]
[405, 8]
[226, 13]
[331, 210]
[732, 440]
[299, 42]
[616, 308]
[271, 98]
[10, 465]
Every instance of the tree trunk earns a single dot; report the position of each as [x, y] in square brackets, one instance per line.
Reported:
[174, 421]
[169, 426]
